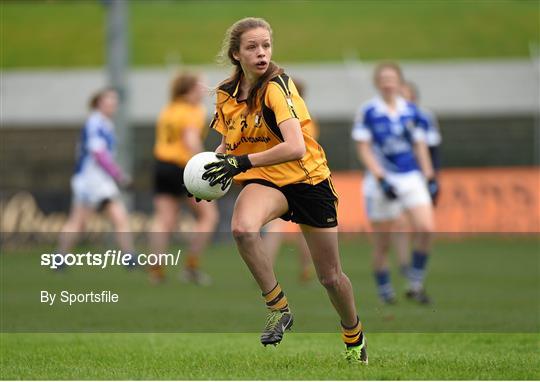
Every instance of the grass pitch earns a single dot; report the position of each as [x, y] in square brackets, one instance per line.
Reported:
[72, 34]
[484, 324]
[240, 356]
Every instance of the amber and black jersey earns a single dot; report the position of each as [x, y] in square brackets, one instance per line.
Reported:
[173, 120]
[247, 133]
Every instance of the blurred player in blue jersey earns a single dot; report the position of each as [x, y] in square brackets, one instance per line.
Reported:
[428, 123]
[399, 175]
[95, 184]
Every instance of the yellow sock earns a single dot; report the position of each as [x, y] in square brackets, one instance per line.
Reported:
[352, 336]
[276, 299]
[192, 262]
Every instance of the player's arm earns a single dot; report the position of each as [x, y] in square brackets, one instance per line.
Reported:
[366, 156]
[192, 140]
[424, 160]
[422, 153]
[98, 147]
[221, 148]
[228, 166]
[361, 133]
[292, 148]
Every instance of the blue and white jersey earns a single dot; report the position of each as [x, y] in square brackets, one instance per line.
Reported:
[392, 135]
[96, 136]
[428, 122]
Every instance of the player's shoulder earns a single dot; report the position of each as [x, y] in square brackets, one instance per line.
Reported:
[96, 121]
[369, 107]
[409, 107]
[227, 89]
[283, 82]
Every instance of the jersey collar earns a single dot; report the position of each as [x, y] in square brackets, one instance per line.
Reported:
[381, 107]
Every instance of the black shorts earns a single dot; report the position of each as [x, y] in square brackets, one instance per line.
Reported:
[169, 179]
[312, 205]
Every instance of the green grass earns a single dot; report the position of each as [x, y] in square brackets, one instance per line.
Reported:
[485, 284]
[240, 356]
[65, 34]
[484, 325]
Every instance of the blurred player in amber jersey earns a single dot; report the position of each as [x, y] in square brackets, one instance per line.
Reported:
[428, 122]
[97, 178]
[275, 230]
[180, 131]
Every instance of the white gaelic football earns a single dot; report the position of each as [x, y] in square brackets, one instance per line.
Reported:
[193, 177]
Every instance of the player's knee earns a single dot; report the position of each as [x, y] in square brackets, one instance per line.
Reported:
[425, 228]
[330, 280]
[244, 230]
[382, 247]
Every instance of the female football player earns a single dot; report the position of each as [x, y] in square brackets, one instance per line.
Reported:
[389, 142]
[274, 231]
[97, 177]
[179, 136]
[428, 122]
[284, 174]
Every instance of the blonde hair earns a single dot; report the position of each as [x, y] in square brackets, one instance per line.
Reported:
[96, 98]
[231, 45]
[387, 65]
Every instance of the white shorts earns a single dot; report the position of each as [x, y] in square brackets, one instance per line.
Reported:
[410, 187]
[92, 190]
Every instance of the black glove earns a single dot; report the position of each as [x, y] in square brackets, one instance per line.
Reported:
[433, 188]
[388, 189]
[225, 169]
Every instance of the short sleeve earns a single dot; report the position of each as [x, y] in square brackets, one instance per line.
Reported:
[419, 134]
[285, 106]
[218, 121]
[361, 131]
[96, 141]
[420, 127]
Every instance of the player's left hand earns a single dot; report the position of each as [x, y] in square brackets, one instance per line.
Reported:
[433, 188]
[225, 169]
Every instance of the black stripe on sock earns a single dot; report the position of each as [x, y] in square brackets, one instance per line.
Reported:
[352, 327]
[271, 290]
[276, 300]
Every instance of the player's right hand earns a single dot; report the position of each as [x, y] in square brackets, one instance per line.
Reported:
[388, 189]
[125, 182]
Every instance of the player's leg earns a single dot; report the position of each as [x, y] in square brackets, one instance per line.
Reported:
[402, 242]
[248, 217]
[116, 212]
[304, 256]
[163, 223]
[323, 246]
[421, 218]
[74, 225]
[381, 239]
[207, 217]
[419, 210]
[273, 238]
